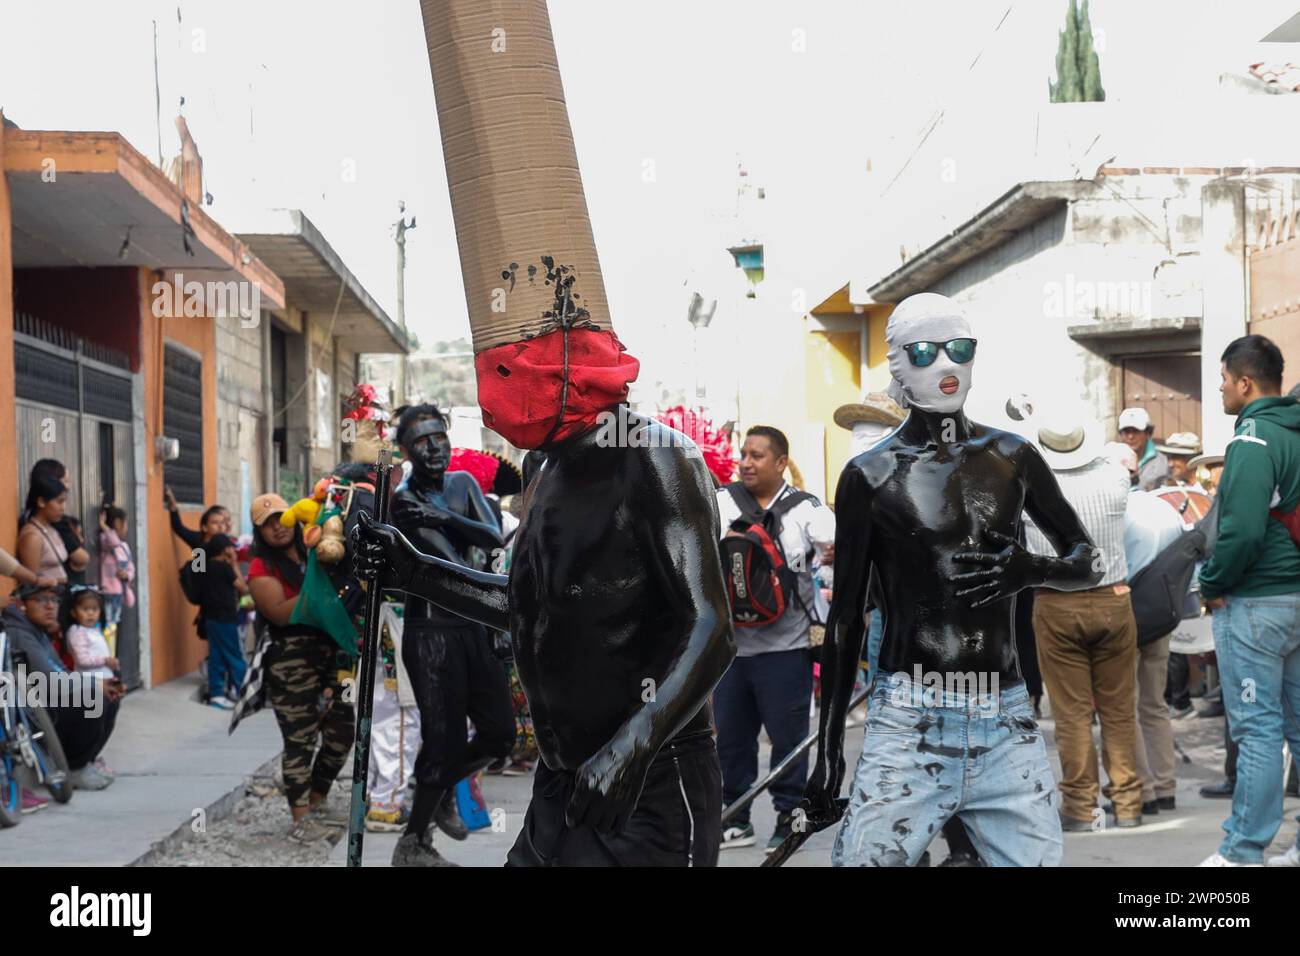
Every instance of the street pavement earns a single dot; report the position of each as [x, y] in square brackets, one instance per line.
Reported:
[1183, 837]
[173, 757]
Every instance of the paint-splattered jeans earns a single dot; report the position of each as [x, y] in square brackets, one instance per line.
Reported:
[929, 756]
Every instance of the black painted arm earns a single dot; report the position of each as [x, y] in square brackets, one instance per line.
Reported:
[382, 552]
[683, 542]
[1079, 563]
[845, 625]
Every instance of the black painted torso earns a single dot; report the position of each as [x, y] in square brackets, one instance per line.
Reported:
[592, 609]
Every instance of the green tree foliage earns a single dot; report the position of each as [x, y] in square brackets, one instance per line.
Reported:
[1078, 70]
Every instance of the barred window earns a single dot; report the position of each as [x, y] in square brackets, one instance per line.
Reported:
[183, 420]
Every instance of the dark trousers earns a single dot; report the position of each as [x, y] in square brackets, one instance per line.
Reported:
[677, 820]
[455, 675]
[82, 736]
[773, 692]
[1177, 693]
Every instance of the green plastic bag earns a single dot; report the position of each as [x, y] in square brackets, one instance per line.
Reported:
[318, 603]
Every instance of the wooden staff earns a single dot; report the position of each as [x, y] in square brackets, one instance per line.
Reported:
[366, 676]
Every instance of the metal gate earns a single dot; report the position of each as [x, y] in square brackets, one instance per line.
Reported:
[73, 403]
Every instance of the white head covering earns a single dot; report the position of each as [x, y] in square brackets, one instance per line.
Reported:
[927, 317]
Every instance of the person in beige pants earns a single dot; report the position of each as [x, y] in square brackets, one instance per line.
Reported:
[1155, 733]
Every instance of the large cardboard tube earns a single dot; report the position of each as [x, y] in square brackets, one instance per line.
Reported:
[516, 194]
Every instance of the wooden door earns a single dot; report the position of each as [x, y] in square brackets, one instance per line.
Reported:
[1168, 386]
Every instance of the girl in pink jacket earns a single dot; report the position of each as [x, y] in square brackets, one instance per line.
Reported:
[116, 565]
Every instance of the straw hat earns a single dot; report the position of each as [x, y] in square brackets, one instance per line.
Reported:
[1068, 439]
[1182, 444]
[875, 407]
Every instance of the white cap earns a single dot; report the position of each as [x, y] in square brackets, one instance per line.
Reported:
[1134, 418]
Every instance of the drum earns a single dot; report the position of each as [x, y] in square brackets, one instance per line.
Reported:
[1192, 503]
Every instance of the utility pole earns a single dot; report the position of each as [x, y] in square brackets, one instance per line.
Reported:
[399, 234]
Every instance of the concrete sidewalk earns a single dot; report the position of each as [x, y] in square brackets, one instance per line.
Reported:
[172, 757]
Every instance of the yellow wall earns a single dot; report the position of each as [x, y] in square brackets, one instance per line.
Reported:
[834, 379]
[877, 364]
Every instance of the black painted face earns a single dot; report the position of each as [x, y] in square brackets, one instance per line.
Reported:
[430, 452]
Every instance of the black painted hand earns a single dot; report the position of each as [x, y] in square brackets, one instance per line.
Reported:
[381, 553]
[1005, 571]
[820, 808]
[411, 513]
[607, 786]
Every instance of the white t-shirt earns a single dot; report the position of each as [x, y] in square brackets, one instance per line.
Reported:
[808, 526]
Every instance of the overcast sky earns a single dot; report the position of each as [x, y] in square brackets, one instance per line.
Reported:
[823, 102]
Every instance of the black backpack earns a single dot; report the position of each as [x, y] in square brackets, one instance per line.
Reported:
[1159, 590]
[760, 584]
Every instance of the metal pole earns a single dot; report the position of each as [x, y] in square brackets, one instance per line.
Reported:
[366, 678]
[780, 769]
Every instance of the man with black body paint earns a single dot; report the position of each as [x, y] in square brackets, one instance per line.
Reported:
[621, 628]
[453, 671]
[941, 495]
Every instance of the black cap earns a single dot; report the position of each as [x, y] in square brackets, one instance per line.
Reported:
[31, 590]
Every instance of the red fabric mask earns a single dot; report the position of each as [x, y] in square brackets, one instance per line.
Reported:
[521, 385]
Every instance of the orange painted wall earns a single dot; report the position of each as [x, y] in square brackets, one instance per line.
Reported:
[8, 439]
[175, 648]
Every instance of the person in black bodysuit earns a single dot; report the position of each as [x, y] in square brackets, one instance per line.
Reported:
[453, 671]
[621, 628]
[936, 509]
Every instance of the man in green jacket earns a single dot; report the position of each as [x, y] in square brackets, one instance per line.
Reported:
[1252, 585]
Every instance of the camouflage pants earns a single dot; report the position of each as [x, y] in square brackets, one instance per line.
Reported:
[301, 667]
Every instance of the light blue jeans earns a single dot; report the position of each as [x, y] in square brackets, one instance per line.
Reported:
[929, 756]
[1257, 642]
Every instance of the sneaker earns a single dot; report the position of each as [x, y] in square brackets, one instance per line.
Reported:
[222, 703]
[1218, 859]
[517, 768]
[1075, 825]
[412, 851]
[1149, 808]
[88, 778]
[1127, 823]
[310, 830]
[104, 768]
[386, 819]
[783, 830]
[329, 817]
[1164, 803]
[32, 802]
[733, 837]
[1214, 710]
[1219, 791]
[1290, 858]
[1178, 713]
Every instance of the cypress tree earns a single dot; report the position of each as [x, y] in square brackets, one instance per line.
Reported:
[1078, 70]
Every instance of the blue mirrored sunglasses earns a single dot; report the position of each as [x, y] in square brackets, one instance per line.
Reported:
[922, 354]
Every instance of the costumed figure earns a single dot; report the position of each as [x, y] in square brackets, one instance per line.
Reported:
[614, 601]
[935, 511]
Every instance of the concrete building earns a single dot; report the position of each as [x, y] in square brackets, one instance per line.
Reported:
[115, 287]
[1118, 290]
[312, 351]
